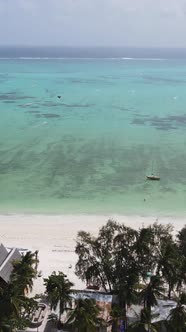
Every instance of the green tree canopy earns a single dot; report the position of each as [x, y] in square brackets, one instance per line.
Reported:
[151, 293]
[15, 307]
[58, 289]
[24, 272]
[177, 319]
[85, 317]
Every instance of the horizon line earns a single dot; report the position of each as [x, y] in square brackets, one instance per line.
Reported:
[95, 46]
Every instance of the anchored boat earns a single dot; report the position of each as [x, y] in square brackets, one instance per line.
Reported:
[153, 177]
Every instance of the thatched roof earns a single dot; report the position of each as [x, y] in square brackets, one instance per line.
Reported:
[6, 259]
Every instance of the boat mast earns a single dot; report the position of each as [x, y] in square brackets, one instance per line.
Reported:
[152, 167]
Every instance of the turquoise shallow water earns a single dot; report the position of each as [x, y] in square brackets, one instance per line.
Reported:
[89, 152]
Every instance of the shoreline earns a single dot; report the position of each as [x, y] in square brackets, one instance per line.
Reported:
[54, 237]
[162, 215]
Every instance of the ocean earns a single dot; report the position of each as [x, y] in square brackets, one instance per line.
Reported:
[121, 112]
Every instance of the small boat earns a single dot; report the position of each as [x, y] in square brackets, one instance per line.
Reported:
[153, 177]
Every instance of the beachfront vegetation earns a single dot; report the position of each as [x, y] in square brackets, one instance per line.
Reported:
[58, 290]
[85, 316]
[82, 317]
[24, 272]
[136, 265]
[15, 306]
[143, 324]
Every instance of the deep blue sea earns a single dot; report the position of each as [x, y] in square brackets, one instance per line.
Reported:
[121, 112]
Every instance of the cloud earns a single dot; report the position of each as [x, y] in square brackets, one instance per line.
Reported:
[91, 22]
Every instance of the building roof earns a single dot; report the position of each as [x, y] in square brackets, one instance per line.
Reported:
[159, 312]
[3, 253]
[6, 259]
[162, 310]
[96, 295]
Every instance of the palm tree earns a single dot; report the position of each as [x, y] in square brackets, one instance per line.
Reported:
[10, 306]
[58, 289]
[145, 247]
[125, 289]
[169, 257]
[144, 323]
[176, 320]
[15, 307]
[182, 240]
[85, 316]
[151, 292]
[4, 327]
[24, 272]
[117, 315]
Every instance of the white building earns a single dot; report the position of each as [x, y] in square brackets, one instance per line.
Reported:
[6, 259]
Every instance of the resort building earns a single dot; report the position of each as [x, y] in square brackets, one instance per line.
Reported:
[6, 259]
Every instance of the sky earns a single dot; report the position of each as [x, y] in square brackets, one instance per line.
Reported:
[140, 23]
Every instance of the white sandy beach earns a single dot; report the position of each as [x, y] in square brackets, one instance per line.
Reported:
[54, 236]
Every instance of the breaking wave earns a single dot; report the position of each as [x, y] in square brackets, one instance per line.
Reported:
[84, 58]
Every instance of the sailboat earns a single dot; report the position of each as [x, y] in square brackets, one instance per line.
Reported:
[153, 177]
